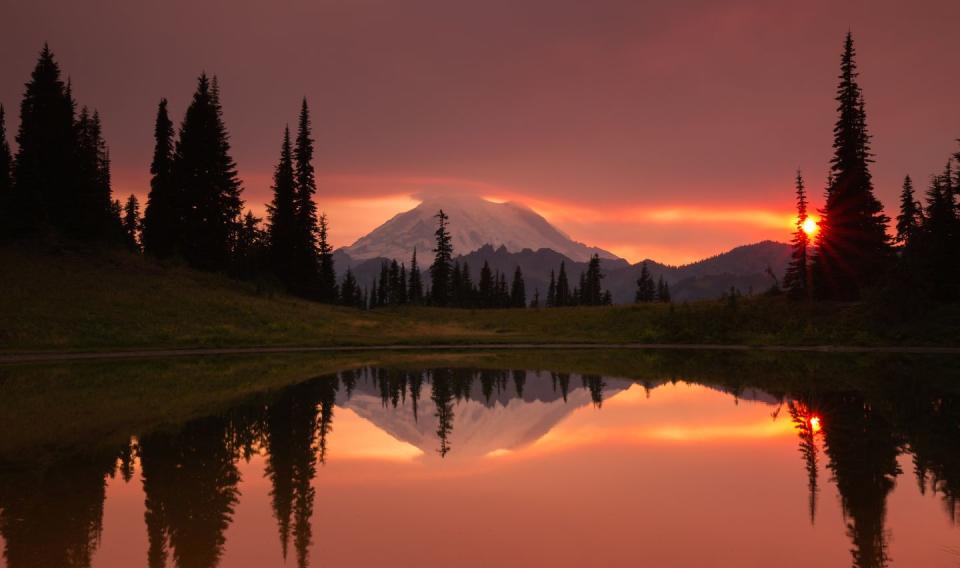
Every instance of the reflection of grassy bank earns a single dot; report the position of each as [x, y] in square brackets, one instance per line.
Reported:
[50, 408]
[96, 302]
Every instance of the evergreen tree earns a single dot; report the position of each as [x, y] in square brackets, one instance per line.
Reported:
[487, 288]
[372, 300]
[578, 291]
[591, 293]
[251, 248]
[328, 275]
[397, 287]
[383, 284]
[402, 296]
[314, 261]
[44, 167]
[440, 269]
[6, 172]
[93, 213]
[161, 219]
[797, 280]
[518, 290]
[645, 287]
[132, 223]
[936, 259]
[663, 291]
[562, 296]
[456, 286]
[503, 295]
[910, 214]
[852, 245]
[552, 292]
[415, 289]
[535, 302]
[468, 291]
[608, 298]
[350, 294]
[207, 185]
[282, 222]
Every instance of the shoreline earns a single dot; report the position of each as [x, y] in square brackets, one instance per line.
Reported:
[13, 358]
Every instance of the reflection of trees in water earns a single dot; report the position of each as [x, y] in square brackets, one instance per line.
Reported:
[862, 448]
[563, 381]
[519, 380]
[190, 482]
[595, 384]
[290, 441]
[442, 396]
[52, 515]
[803, 420]
[931, 424]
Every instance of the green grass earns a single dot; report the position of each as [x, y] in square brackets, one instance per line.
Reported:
[75, 300]
[50, 410]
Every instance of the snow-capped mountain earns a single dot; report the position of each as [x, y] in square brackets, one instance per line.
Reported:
[474, 222]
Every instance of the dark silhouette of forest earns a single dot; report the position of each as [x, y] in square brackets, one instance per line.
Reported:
[851, 256]
[57, 186]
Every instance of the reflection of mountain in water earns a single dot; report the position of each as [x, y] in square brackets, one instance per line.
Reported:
[506, 420]
[51, 510]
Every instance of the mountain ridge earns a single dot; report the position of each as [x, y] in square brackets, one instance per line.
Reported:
[508, 235]
[473, 222]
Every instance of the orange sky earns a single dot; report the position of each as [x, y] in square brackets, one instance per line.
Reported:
[668, 130]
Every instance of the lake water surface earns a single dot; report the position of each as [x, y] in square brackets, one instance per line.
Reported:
[450, 465]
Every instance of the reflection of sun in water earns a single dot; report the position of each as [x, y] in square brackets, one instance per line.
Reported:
[810, 226]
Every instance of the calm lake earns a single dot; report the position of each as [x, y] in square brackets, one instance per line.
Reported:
[589, 459]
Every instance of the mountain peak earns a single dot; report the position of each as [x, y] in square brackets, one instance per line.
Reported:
[473, 223]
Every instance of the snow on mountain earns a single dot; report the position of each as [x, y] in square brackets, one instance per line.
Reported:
[474, 222]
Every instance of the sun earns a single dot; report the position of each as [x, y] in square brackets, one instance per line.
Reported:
[810, 226]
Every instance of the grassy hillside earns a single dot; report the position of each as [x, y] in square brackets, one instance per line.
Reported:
[77, 300]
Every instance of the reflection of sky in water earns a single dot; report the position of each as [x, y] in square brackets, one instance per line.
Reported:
[675, 475]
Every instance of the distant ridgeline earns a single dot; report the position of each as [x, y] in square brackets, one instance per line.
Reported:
[56, 187]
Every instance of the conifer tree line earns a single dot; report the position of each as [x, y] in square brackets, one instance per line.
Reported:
[588, 292]
[648, 291]
[58, 185]
[851, 256]
[58, 182]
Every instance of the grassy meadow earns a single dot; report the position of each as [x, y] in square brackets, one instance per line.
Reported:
[75, 300]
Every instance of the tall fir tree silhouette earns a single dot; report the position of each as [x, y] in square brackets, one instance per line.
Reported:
[132, 223]
[44, 166]
[518, 290]
[852, 248]
[910, 217]
[797, 278]
[441, 267]
[91, 203]
[282, 221]
[327, 277]
[307, 268]
[206, 180]
[645, 287]
[161, 217]
[562, 295]
[938, 253]
[591, 292]
[415, 285]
